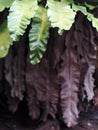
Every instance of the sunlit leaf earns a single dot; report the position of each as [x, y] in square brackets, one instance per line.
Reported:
[79, 8]
[20, 15]
[5, 4]
[60, 14]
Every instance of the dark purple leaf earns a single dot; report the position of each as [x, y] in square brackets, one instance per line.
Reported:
[70, 77]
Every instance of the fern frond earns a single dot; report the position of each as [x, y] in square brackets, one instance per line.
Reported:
[20, 15]
[38, 35]
[5, 40]
[5, 4]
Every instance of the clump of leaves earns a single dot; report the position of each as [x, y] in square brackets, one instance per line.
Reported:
[59, 14]
[53, 13]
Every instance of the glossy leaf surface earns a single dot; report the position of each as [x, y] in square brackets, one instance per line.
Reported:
[38, 35]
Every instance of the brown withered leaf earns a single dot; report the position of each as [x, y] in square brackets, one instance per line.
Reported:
[42, 90]
[96, 98]
[55, 47]
[15, 70]
[38, 90]
[13, 102]
[70, 77]
[15, 74]
[84, 38]
[49, 125]
[8, 67]
[19, 64]
[32, 101]
[53, 93]
[89, 82]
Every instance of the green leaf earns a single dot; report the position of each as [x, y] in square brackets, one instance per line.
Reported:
[5, 40]
[91, 7]
[94, 20]
[91, 2]
[20, 15]
[38, 35]
[60, 14]
[90, 16]
[79, 8]
[5, 4]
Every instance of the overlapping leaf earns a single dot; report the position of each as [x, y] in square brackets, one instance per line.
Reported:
[5, 4]
[60, 14]
[5, 39]
[20, 15]
[38, 35]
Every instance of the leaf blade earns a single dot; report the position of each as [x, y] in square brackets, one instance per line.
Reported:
[70, 78]
[60, 14]
[19, 17]
[38, 36]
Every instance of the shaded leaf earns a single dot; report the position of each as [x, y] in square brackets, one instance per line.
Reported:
[57, 47]
[94, 2]
[91, 7]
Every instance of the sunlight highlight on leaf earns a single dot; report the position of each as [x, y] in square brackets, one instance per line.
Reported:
[60, 14]
[19, 17]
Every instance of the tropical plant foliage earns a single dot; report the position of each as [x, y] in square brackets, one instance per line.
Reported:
[36, 17]
[20, 14]
[38, 35]
[60, 14]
